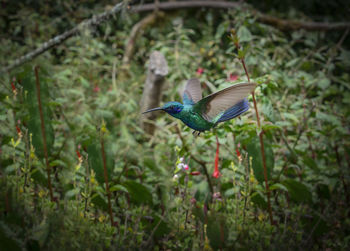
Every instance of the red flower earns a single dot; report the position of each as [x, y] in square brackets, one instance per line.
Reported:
[13, 87]
[238, 153]
[18, 129]
[195, 173]
[78, 154]
[216, 173]
[200, 71]
[232, 77]
[14, 90]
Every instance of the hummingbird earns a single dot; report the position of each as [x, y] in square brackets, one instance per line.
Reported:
[202, 114]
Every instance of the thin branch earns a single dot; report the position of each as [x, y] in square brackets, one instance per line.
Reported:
[96, 20]
[287, 25]
[106, 180]
[135, 31]
[235, 40]
[48, 168]
[279, 23]
[200, 162]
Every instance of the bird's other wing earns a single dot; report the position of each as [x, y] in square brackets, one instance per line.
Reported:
[193, 92]
[219, 102]
[235, 111]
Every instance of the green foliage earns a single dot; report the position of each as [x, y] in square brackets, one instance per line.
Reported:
[254, 151]
[88, 95]
[31, 110]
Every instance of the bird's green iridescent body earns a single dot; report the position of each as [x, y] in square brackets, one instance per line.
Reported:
[202, 114]
[193, 119]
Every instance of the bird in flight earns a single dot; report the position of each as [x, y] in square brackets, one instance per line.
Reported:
[202, 114]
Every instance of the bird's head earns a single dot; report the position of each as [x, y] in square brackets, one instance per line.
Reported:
[172, 108]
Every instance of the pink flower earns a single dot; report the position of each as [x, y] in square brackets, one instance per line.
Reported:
[193, 200]
[186, 167]
[96, 89]
[217, 196]
[232, 77]
[216, 173]
[200, 71]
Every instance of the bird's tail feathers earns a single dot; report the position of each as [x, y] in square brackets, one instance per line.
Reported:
[235, 111]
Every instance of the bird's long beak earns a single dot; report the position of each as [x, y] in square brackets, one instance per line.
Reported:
[154, 109]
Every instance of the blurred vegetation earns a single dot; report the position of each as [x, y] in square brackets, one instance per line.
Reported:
[89, 97]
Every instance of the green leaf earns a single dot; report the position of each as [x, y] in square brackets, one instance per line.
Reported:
[162, 229]
[139, 194]
[7, 242]
[310, 163]
[254, 151]
[33, 119]
[99, 201]
[324, 83]
[96, 162]
[297, 191]
[119, 188]
[39, 176]
[258, 199]
[244, 34]
[217, 231]
[278, 186]
[71, 193]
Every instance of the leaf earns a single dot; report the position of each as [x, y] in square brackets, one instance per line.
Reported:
[324, 83]
[8, 243]
[254, 151]
[244, 34]
[96, 162]
[99, 201]
[310, 163]
[71, 193]
[119, 188]
[139, 194]
[58, 162]
[202, 191]
[217, 231]
[162, 229]
[297, 191]
[259, 200]
[39, 176]
[33, 120]
[278, 186]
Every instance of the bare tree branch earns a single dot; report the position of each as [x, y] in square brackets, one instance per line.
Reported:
[95, 20]
[263, 18]
[283, 24]
[138, 27]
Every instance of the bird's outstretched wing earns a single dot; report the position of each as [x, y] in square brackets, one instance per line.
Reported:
[193, 92]
[219, 102]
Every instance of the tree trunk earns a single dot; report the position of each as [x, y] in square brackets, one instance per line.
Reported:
[152, 92]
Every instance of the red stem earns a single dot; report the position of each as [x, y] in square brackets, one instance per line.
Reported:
[106, 180]
[262, 148]
[245, 69]
[216, 173]
[48, 169]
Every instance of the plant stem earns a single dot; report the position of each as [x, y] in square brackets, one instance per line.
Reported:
[202, 163]
[261, 147]
[48, 169]
[106, 180]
